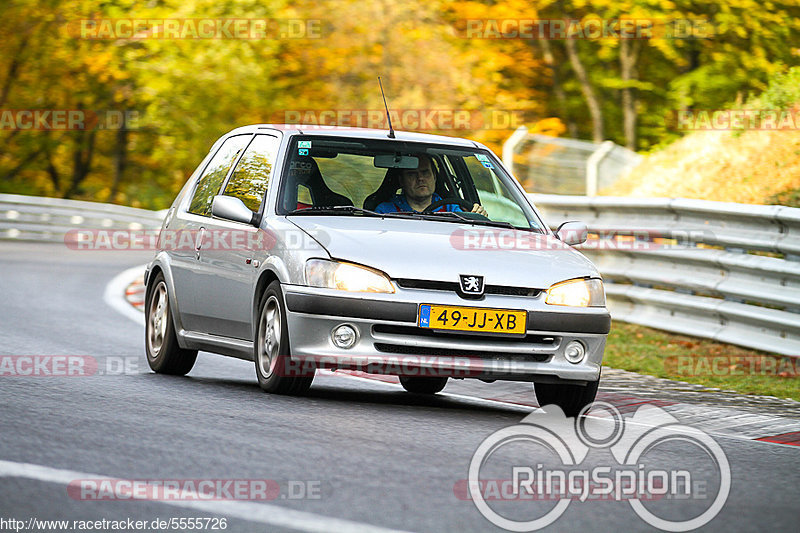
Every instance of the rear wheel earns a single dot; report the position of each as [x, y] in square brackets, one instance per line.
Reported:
[570, 398]
[164, 355]
[423, 385]
[274, 369]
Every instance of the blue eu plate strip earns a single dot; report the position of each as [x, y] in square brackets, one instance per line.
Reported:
[425, 316]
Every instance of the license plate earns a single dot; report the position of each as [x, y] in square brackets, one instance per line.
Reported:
[472, 319]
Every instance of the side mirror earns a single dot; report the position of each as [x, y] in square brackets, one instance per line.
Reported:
[573, 233]
[231, 208]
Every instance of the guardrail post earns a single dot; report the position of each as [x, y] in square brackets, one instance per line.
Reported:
[510, 144]
[593, 166]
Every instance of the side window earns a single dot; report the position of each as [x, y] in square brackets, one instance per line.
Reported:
[250, 178]
[210, 182]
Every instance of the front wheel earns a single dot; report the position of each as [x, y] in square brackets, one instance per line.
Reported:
[274, 368]
[570, 398]
[164, 355]
[423, 385]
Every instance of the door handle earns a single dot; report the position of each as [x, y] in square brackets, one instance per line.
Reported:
[199, 242]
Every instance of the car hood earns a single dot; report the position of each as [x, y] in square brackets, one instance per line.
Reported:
[440, 251]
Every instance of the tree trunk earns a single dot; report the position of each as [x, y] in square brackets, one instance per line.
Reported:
[558, 89]
[13, 69]
[595, 111]
[82, 160]
[119, 160]
[628, 57]
[22, 164]
[52, 171]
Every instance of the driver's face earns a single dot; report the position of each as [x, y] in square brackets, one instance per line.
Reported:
[419, 184]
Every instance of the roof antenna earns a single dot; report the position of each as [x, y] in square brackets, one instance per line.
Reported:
[391, 130]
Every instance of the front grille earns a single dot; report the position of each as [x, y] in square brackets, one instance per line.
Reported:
[449, 352]
[452, 286]
[512, 291]
[414, 331]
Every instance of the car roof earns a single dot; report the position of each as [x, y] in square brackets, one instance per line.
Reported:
[353, 132]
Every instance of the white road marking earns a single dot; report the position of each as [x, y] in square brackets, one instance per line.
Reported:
[263, 513]
[114, 294]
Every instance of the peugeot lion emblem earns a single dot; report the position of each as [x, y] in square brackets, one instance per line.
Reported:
[472, 285]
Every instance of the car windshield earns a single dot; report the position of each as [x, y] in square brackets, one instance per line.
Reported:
[345, 176]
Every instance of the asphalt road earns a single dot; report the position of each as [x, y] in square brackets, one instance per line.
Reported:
[369, 454]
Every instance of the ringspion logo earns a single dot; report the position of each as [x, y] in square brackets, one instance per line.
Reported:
[550, 464]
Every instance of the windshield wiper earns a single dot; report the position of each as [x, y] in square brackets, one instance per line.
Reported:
[333, 209]
[441, 216]
[349, 209]
[457, 217]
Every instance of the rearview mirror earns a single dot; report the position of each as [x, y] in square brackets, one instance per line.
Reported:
[231, 208]
[573, 233]
[396, 161]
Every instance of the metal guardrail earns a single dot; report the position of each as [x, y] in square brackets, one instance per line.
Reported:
[37, 218]
[723, 271]
[685, 266]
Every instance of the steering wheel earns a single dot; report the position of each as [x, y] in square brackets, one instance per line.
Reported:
[465, 205]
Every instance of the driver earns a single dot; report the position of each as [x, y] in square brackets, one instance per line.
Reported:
[418, 192]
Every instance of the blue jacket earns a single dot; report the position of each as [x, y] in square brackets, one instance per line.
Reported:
[400, 204]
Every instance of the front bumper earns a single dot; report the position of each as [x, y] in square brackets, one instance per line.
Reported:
[389, 341]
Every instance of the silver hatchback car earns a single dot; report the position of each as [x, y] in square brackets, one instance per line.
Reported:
[420, 256]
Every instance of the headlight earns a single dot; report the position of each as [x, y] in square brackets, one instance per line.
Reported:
[346, 277]
[577, 293]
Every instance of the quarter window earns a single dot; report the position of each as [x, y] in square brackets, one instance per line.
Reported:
[210, 182]
[250, 178]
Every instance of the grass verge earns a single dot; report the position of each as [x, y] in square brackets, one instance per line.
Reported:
[712, 364]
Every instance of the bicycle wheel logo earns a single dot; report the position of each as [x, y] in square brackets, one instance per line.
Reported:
[634, 444]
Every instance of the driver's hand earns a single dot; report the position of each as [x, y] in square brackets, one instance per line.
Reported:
[478, 208]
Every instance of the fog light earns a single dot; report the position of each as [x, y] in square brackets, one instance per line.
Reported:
[575, 352]
[344, 336]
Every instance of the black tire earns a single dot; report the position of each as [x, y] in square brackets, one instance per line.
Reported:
[274, 370]
[570, 398]
[423, 385]
[164, 355]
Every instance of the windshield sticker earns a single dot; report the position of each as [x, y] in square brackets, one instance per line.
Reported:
[482, 158]
[302, 151]
[304, 144]
[300, 167]
[487, 164]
